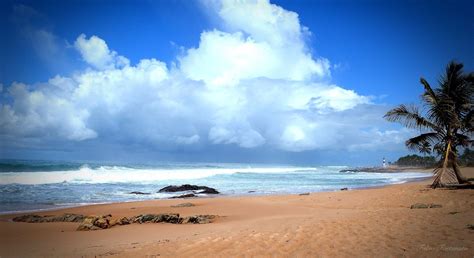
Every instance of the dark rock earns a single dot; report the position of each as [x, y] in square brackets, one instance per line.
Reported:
[139, 193]
[186, 204]
[425, 206]
[104, 222]
[470, 226]
[188, 187]
[304, 194]
[143, 218]
[348, 170]
[208, 190]
[168, 218]
[69, 217]
[30, 218]
[419, 206]
[33, 218]
[157, 218]
[198, 219]
[251, 191]
[344, 189]
[184, 196]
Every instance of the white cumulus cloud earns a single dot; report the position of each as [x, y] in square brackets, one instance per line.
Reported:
[252, 84]
[96, 53]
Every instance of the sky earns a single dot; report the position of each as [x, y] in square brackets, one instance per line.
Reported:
[295, 82]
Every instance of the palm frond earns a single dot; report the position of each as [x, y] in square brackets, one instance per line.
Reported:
[409, 117]
[468, 122]
[423, 142]
[463, 140]
[429, 95]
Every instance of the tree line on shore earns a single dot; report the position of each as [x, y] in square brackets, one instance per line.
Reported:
[465, 160]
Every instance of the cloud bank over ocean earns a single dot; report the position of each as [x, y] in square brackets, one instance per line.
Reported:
[251, 83]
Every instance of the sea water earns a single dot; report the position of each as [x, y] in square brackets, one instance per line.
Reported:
[39, 185]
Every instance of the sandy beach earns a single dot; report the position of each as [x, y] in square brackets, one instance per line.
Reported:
[361, 223]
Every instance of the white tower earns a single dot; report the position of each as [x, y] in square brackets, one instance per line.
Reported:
[384, 164]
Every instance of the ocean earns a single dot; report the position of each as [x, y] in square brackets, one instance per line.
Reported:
[41, 185]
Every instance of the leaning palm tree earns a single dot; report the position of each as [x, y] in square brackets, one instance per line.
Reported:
[446, 124]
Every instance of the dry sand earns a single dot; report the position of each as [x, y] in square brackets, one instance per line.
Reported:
[360, 223]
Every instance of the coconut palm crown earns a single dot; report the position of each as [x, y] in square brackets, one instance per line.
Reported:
[445, 125]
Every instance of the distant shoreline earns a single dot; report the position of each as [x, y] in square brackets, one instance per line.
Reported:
[389, 169]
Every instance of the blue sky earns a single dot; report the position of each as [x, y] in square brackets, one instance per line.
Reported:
[341, 63]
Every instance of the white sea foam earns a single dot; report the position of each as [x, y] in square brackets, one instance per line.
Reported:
[117, 174]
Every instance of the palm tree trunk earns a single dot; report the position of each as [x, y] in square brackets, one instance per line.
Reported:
[444, 175]
[457, 171]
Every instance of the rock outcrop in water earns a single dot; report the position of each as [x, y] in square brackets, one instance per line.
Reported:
[187, 187]
[139, 193]
[184, 196]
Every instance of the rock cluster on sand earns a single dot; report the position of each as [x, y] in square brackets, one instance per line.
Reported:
[103, 222]
[195, 188]
[157, 218]
[198, 219]
[67, 217]
[185, 204]
[425, 206]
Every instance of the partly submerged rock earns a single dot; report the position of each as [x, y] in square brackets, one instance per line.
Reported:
[33, 218]
[185, 204]
[188, 187]
[139, 193]
[208, 190]
[184, 196]
[303, 194]
[344, 189]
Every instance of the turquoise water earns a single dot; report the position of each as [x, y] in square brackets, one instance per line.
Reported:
[37, 185]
